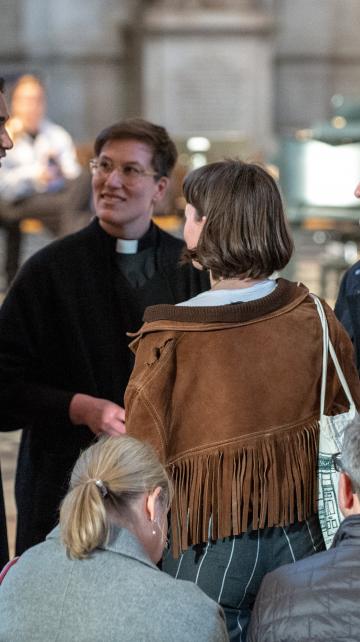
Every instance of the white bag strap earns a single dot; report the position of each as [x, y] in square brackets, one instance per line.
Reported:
[328, 347]
[325, 352]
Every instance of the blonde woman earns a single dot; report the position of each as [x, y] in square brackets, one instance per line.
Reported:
[95, 577]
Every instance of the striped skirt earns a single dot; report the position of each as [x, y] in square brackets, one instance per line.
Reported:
[230, 570]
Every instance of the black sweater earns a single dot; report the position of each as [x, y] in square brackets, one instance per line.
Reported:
[63, 331]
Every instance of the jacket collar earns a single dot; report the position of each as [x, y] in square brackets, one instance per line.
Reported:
[348, 532]
[287, 295]
[121, 541]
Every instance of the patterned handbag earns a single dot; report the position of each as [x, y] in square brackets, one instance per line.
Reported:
[331, 439]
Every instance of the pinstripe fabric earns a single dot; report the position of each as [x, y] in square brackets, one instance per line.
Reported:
[226, 571]
[290, 547]
[310, 535]
[230, 570]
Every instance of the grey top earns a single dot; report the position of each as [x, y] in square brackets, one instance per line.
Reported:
[117, 594]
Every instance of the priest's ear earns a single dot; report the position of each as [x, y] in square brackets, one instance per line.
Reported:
[160, 189]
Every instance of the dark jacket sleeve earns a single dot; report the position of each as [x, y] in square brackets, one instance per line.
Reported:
[271, 613]
[347, 307]
[261, 613]
[336, 398]
[341, 306]
[26, 393]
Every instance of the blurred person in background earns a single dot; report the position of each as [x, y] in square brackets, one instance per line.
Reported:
[43, 178]
[95, 577]
[226, 387]
[64, 356]
[5, 145]
[318, 598]
[5, 140]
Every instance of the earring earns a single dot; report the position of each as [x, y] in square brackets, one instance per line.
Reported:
[164, 538]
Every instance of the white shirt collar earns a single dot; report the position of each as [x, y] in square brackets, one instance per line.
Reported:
[125, 246]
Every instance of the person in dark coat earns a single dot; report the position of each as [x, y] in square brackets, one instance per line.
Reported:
[318, 598]
[64, 358]
[5, 144]
[347, 307]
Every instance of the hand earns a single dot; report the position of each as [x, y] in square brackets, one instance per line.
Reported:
[100, 415]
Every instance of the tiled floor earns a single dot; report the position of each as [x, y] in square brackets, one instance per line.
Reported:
[306, 267]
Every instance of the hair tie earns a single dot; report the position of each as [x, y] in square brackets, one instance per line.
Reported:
[101, 486]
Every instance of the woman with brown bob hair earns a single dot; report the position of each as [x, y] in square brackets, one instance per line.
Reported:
[226, 387]
[246, 236]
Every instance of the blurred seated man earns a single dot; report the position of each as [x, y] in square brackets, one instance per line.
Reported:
[43, 178]
[318, 598]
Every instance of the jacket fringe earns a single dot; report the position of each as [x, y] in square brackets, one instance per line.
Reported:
[269, 482]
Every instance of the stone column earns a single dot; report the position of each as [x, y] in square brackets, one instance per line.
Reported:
[207, 69]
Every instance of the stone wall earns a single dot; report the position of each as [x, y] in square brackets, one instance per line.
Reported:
[318, 55]
[79, 48]
[209, 73]
[90, 56]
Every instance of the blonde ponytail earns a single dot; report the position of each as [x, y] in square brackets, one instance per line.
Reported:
[114, 468]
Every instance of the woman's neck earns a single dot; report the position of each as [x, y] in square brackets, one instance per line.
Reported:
[233, 284]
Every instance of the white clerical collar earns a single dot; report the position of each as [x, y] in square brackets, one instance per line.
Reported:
[125, 246]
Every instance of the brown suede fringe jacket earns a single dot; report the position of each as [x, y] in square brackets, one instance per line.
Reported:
[229, 397]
